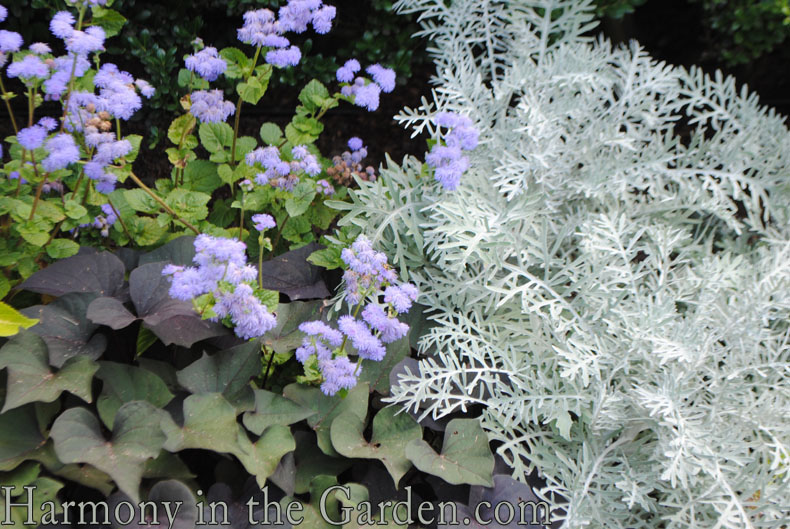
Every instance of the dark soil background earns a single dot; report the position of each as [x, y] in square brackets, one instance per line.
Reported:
[671, 30]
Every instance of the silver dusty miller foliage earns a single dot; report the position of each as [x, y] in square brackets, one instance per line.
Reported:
[611, 280]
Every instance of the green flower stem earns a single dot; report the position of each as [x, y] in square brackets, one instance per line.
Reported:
[31, 97]
[118, 128]
[238, 108]
[268, 365]
[8, 105]
[39, 188]
[241, 216]
[71, 77]
[280, 232]
[123, 224]
[260, 260]
[345, 338]
[162, 203]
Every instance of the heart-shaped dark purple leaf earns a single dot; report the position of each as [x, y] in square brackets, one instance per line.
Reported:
[101, 273]
[291, 274]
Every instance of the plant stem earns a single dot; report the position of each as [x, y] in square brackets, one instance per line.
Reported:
[71, 77]
[118, 216]
[241, 217]
[238, 109]
[260, 261]
[162, 203]
[268, 366]
[280, 232]
[30, 106]
[8, 105]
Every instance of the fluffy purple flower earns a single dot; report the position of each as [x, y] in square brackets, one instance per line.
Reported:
[105, 221]
[339, 373]
[447, 160]
[28, 68]
[367, 96]
[49, 124]
[206, 63]
[145, 88]
[249, 316]
[324, 187]
[299, 152]
[322, 19]
[3, 13]
[345, 74]
[390, 329]
[297, 14]
[32, 138]
[322, 330]
[62, 24]
[401, 297]
[261, 29]
[209, 106]
[368, 346]
[284, 57]
[62, 152]
[10, 41]
[263, 221]
[355, 144]
[40, 48]
[384, 77]
[85, 42]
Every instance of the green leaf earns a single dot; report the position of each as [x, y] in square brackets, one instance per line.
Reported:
[244, 144]
[392, 432]
[35, 231]
[141, 201]
[109, 20]
[136, 438]
[303, 130]
[227, 372]
[272, 409]
[253, 90]
[180, 128]
[75, 210]
[189, 205]
[30, 378]
[145, 339]
[11, 320]
[225, 173]
[261, 459]
[215, 136]
[20, 436]
[300, 200]
[314, 96]
[21, 476]
[328, 408]
[209, 423]
[465, 459]
[286, 336]
[201, 175]
[238, 62]
[124, 383]
[271, 133]
[377, 374]
[61, 248]
[135, 140]
[328, 258]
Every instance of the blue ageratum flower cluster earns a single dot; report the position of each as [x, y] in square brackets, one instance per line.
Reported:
[223, 275]
[367, 277]
[280, 173]
[365, 93]
[448, 160]
[262, 28]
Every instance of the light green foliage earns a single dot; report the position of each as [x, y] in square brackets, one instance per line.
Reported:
[611, 286]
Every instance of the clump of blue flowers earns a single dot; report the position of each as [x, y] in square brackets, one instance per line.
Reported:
[362, 91]
[447, 159]
[368, 277]
[222, 286]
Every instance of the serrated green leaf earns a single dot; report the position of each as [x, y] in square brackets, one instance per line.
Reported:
[75, 210]
[139, 200]
[62, 248]
[238, 62]
[201, 175]
[180, 128]
[314, 95]
[109, 20]
[215, 136]
[271, 134]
